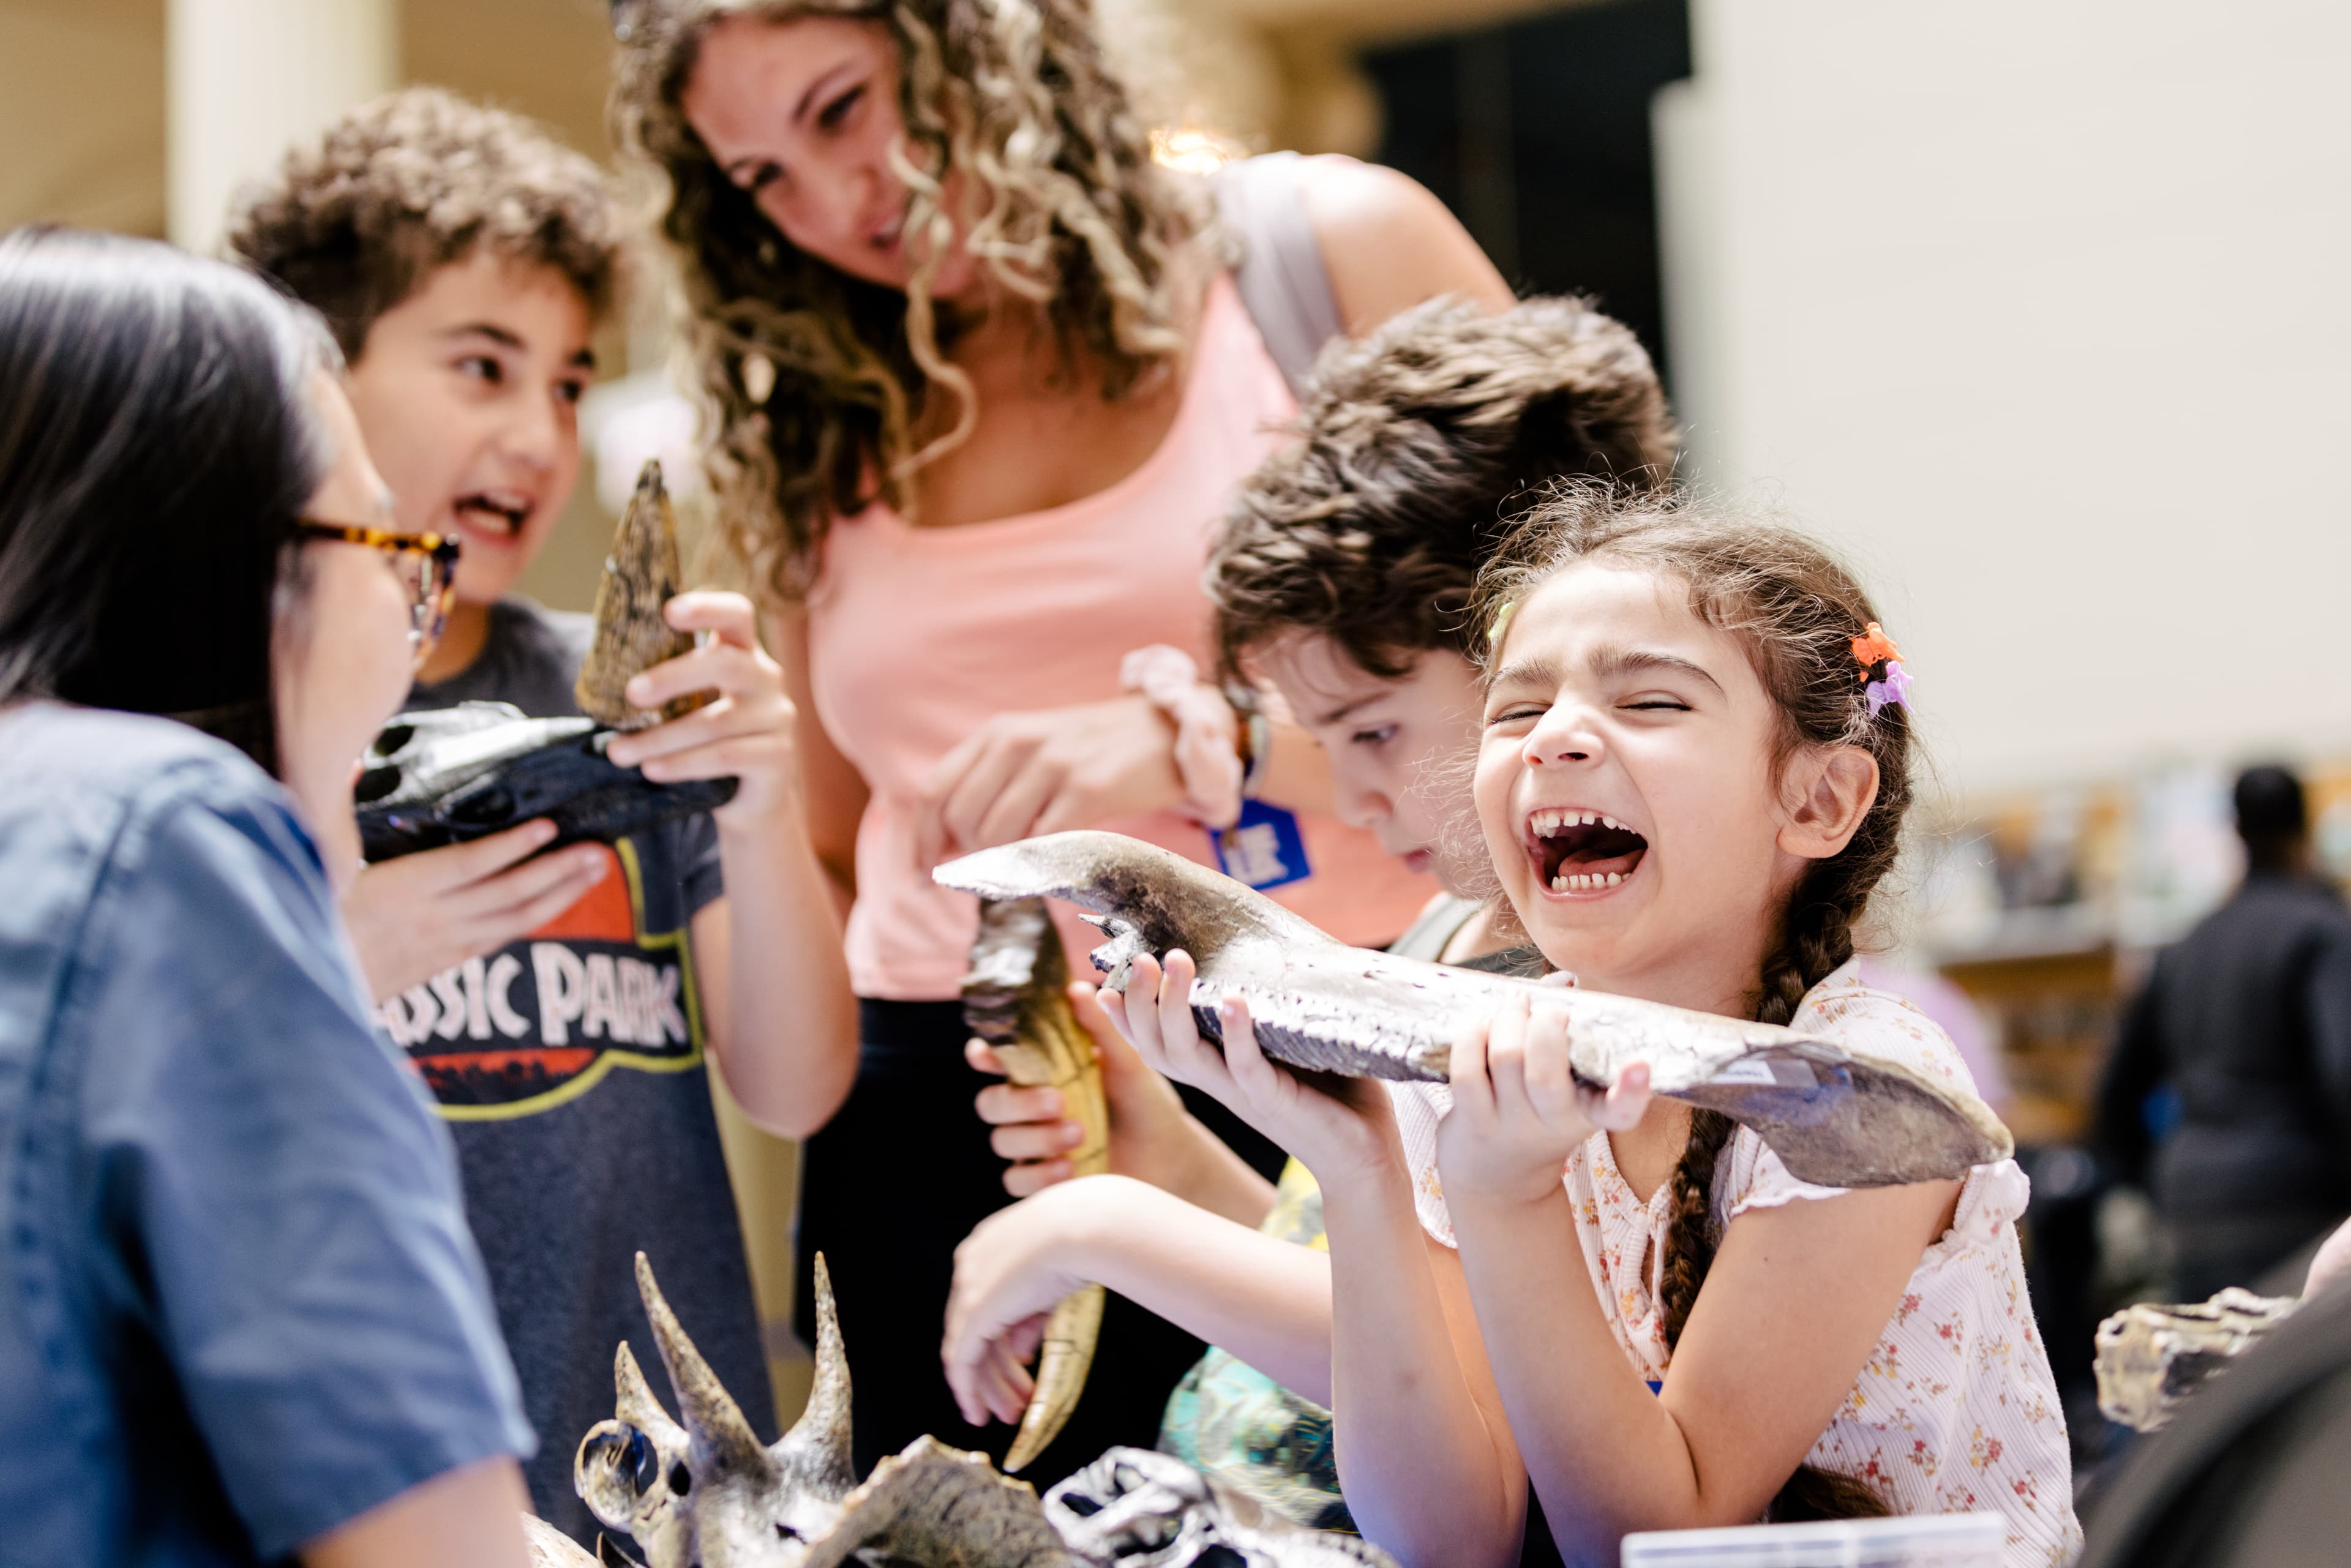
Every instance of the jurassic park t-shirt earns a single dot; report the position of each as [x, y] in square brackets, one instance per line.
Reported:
[570, 1068]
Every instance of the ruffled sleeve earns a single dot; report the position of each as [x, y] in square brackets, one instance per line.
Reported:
[1418, 1108]
[1754, 1178]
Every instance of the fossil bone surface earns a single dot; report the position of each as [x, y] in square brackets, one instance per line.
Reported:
[700, 1491]
[641, 576]
[2151, 1357]
[1836, 1117]
[1015, 999]
[449, 775]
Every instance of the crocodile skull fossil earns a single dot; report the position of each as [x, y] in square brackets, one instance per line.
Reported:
[1836, 1116]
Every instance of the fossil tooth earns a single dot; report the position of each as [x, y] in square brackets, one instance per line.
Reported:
[641, 576]
[1837, 1117]
[1015, 999]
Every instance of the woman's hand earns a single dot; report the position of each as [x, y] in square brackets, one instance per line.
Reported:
[746, 735]
[1008, 1274]
[414, 917]
[1022, 774]
[1151, 1134]
[1518, 1112]
[1338, 1128]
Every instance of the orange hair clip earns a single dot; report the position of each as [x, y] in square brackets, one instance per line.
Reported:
[1874, 647]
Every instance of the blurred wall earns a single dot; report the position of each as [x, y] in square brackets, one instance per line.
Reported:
[2041, 310]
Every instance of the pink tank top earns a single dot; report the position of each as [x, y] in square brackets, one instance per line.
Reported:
[916, 636]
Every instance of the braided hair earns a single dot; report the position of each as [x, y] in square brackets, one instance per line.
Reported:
[1796, 609]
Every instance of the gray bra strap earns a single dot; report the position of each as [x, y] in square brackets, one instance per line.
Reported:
[1281, 277]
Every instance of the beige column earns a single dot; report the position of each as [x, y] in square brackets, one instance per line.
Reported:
[245, 78]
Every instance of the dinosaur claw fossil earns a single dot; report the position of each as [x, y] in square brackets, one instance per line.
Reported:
[1015, 999]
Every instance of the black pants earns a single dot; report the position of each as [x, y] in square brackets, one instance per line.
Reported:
[889, 1187]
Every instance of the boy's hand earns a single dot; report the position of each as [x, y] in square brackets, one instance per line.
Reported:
[1518, 1112]
[1008, 1274]
[1337, 1127]
[413, 918]
[1149, 1128]
[746, 735]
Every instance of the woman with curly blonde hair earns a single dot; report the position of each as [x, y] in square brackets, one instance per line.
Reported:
[983, 371]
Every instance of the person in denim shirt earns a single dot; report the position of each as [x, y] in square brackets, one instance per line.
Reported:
[240, 1319]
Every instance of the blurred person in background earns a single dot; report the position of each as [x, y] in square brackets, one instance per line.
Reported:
[2227, 1093]
[241, 1318]
[984, 372]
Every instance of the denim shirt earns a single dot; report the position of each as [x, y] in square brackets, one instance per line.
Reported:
[239, 1303]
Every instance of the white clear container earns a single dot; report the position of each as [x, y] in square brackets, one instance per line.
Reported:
[1914, 1540]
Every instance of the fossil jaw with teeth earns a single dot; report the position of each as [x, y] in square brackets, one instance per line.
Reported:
[1836, 1116]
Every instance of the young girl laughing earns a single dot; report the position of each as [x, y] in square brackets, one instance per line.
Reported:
[1693, 772]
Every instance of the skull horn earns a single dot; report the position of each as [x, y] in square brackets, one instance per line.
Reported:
[713, 1420]
[818, 1444]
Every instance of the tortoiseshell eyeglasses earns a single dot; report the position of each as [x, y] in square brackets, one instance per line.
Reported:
[427, 565]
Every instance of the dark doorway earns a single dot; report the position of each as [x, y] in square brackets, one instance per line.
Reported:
[1536, 133]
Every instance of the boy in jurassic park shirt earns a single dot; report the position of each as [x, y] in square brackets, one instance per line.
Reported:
[561, 1007]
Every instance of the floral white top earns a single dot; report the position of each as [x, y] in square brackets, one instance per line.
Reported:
[1955, 1411]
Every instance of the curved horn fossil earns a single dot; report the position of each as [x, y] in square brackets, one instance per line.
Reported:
[815, 1453]
[713, 1421]
[1016, 999]
[1837, 1117]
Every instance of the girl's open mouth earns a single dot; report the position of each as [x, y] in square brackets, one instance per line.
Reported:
[1583, 851]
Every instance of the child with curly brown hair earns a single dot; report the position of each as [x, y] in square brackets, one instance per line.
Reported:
[1693, 771]
[1343, 574]
[562, 1006]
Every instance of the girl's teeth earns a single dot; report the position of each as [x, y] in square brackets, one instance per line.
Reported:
[1579, 882]
[1547, 824]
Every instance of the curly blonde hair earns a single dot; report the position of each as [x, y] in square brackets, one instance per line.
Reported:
[814, 380]
[352, 222]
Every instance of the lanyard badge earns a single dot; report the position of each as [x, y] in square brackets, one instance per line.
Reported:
[1263, 848]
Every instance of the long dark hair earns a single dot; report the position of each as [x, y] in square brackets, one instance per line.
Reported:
[1797, 610]
[157, 445]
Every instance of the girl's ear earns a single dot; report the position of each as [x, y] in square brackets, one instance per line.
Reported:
[1830, 791]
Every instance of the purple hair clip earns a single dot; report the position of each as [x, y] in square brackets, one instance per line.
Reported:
[1893, 687]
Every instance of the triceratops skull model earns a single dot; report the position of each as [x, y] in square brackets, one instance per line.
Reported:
[1837, 1117]
[702, 1491]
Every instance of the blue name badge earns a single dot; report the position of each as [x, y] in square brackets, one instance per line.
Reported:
[1264, 848]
